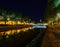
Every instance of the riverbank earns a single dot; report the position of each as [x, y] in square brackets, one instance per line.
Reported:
[9, 27]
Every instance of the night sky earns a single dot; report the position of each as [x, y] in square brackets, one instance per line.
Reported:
[33, 8]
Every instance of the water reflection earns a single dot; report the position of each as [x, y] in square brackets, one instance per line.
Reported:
[42, 26]
[11, 32]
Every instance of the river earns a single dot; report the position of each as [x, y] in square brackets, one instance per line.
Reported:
[26, 37]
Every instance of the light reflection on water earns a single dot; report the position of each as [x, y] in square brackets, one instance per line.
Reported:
[36, 26]
[11, 32]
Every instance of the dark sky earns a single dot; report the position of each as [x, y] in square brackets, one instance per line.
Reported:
[33, 8]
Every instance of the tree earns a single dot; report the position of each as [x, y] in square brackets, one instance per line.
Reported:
[51, 11]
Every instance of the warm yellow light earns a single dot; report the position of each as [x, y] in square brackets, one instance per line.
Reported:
[30, 27]
[12, 31]
[22, 23]
[2, 22]
[10, 22]
[8, 32]
[19, 22]
[27, 23]
[18, 31]
[24, 29]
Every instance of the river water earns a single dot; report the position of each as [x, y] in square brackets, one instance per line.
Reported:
[25, 37]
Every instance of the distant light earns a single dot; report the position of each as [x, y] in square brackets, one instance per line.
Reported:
[18, 31]
[39, 26]
[58, 15]
[30, 28]
[40, 20]
[8, 18]
[44, 24]
[7, 36]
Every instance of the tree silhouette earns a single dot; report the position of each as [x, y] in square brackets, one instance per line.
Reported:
[50, 10]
